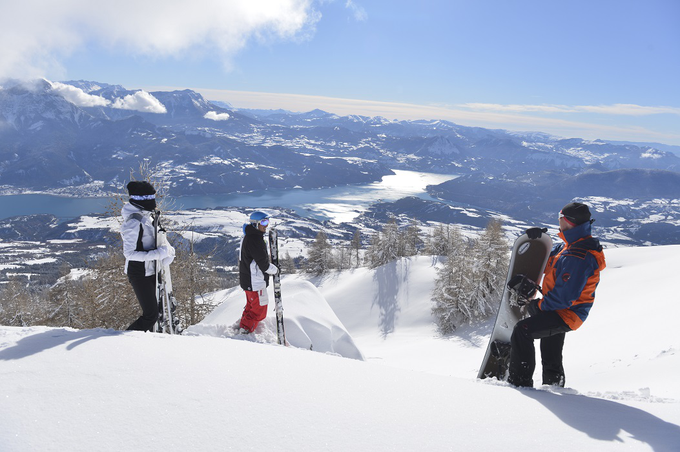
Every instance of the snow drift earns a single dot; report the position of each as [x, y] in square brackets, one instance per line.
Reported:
[308, 320]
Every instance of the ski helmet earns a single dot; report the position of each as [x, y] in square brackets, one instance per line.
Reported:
[258, 216]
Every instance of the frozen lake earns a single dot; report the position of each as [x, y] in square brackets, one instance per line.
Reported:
[339, 204]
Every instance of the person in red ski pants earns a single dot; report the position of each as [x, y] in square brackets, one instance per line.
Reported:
[254, 271]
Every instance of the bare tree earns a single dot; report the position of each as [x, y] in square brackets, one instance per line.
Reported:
[356, 248]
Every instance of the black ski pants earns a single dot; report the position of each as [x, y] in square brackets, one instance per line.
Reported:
[145, 290]
[549, 327]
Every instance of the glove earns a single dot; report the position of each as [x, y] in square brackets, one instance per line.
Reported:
[535, 233]
[533, 308]
[272, 270]
[523, 286]
[164, 251]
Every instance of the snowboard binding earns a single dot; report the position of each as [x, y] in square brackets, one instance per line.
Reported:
[524, 289]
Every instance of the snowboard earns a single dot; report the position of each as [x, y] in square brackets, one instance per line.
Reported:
[528, 258]
[278, 304]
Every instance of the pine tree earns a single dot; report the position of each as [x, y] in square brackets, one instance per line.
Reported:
[412, 240]
[320, 258]
[470, 283]
[440, 240]
[386, 246]
[453, 281]
[491, 251]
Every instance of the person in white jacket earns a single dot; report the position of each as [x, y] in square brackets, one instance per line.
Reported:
[141, 253]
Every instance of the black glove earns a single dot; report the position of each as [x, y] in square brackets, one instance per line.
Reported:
[533, 308]
[535, 233]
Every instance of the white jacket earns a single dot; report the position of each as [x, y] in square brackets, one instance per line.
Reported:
[132, 217]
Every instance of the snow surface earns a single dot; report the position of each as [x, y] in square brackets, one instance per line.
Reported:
[104, 390]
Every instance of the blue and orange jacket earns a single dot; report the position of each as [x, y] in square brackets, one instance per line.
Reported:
[572, 275]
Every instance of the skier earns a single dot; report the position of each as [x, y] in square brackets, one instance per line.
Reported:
[254, 271]
[139, 247]
[571, 277]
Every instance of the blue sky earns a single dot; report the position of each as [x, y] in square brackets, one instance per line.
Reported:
[593, 69]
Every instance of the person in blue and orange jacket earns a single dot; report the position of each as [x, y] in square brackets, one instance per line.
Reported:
[571, 277]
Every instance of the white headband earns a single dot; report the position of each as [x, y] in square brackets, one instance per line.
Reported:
[142, 197]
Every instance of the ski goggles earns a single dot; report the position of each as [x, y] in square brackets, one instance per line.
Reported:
[568, 220]
[142, 197]
[264, 222]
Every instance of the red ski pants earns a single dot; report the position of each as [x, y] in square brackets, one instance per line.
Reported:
[255, 310]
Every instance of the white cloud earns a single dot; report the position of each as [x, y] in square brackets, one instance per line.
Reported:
[43, 33]
[140, 101]
[580, 127]
[78, 97]
[629, 110]
[358, 12]
[615, 109]
[217, 116]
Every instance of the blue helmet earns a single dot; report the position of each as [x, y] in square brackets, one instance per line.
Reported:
[258, 216]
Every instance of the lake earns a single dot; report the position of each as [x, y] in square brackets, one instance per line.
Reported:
[339, 204]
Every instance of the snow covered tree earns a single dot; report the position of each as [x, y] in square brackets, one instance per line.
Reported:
[470, 283]
[386, 245]
[411, 239]
[20, 304]
[453, 283]
[320, 257]
[442, 237]
[491, 252]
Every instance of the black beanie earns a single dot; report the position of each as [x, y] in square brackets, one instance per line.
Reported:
[142, 194]
[576, 213]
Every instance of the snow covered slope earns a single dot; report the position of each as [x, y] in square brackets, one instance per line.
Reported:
[308, 320]
[64, 389]
[629, 342]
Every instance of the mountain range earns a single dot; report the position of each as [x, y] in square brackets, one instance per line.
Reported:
[83, 137]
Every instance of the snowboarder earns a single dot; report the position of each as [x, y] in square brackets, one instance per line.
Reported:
[571, 277]
[254, 271]
[139, 247]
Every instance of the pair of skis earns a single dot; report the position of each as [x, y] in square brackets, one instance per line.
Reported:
[278, 305]
[167, 321]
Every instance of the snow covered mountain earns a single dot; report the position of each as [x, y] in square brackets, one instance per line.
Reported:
[105, 390]
[82, 138]
[94, 131]
[48, 142]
